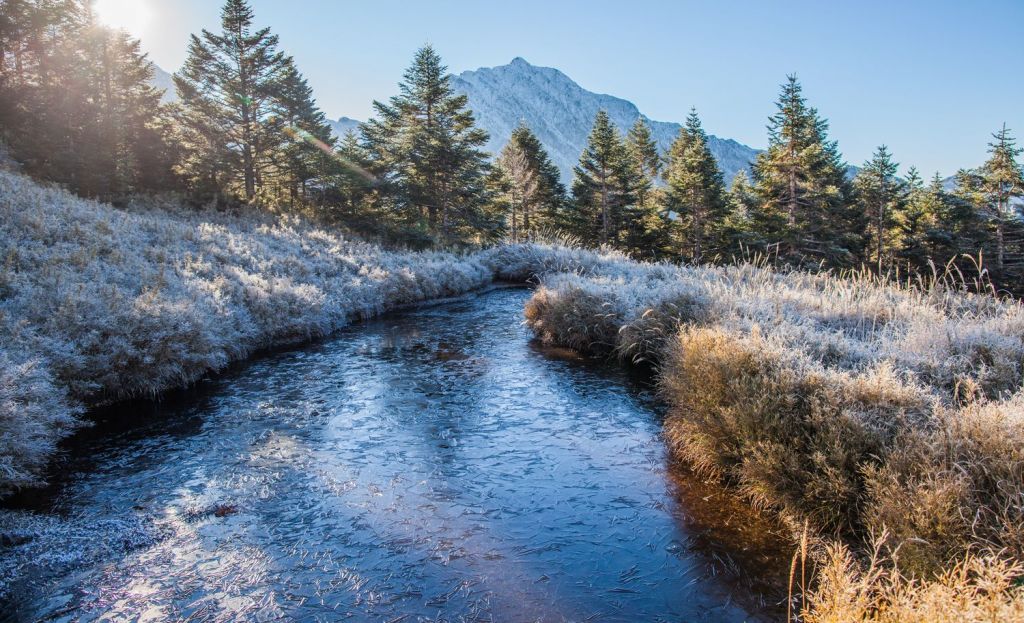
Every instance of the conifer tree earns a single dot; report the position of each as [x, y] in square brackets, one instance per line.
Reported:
[647, 229]
[937, 226]
[1001, 183]
[882, 196]
[76, 105]
[743, 204]
[805, 199]
[534, 194]
[307, 156]
[227, 89]
[602, 189]
[643, 153]
[426, 142]
[696, 194]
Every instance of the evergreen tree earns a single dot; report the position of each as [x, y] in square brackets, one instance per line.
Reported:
[937, 226]
[805, 199]
[308, 156]
[1001, 183]
[227, 89]
[647, 228]
[696, 194]
[643, 153]
[602, 189]
[882, 196]
[743, 204]
[75, 101]
[428, 148]
[534, 195]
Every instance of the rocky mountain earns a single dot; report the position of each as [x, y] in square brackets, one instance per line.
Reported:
[561, 113]
[343, 126]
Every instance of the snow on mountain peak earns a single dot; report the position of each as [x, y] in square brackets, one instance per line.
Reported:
[561, 112]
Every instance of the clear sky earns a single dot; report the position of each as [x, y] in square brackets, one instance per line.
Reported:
[931, 79]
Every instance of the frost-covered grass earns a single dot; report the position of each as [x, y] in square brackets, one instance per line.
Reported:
[857, 406]
[98, 303]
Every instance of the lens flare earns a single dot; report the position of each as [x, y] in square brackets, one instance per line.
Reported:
[133, 16]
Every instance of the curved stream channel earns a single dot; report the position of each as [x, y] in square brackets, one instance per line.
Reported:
[434, 464]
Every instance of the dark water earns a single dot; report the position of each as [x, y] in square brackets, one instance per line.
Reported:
[432, 465]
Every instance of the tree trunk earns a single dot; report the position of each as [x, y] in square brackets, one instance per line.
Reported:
[1000, 244]
[605, 225]
[880, 247]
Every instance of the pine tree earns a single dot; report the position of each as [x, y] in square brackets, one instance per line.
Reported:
[308, 156]
[602, 188]
[534, 195]
[696, 194]
[77, 106]
[743, 204]
[882, 196]
[937, 226]
[805, 198]
[646, 160]
[647, 228]
[227, 89]
[1002, 182]
[428, 148]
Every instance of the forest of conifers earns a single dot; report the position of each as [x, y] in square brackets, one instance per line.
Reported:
[77, 107]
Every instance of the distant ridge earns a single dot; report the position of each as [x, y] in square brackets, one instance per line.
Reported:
[561, 113]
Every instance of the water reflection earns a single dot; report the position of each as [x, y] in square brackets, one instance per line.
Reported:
[430, 465]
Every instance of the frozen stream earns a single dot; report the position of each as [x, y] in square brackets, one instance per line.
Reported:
[431, 465]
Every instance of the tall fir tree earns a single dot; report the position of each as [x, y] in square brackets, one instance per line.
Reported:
[227, 89]
[805, 205]
[1001, 184]
[696, 194]
[603, 188]
[882, 196]
[307, 158]
[535, 194]
[647, 228]
[642, 150]
[426, 144]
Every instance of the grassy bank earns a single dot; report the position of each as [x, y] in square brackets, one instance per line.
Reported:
[99, 303]
[860, 408]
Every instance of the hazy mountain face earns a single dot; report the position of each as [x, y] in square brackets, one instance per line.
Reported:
[343, 126]
[163, 80]
[561, 113]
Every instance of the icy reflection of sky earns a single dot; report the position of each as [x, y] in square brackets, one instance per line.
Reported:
[430, 465]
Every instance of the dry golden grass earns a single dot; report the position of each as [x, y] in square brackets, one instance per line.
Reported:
[976, 589]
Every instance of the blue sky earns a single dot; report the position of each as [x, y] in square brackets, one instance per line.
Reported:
[932, 80]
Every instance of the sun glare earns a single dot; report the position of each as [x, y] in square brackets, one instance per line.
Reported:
[130, 15]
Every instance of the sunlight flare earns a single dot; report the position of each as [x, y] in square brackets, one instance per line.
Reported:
[133, 16]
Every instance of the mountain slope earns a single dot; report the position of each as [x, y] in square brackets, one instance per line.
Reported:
[561, 113]
[165, 82]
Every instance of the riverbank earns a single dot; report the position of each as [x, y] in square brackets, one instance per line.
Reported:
[856, 407]
[100, 304]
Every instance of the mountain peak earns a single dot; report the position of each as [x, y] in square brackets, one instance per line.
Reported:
[561, 112]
